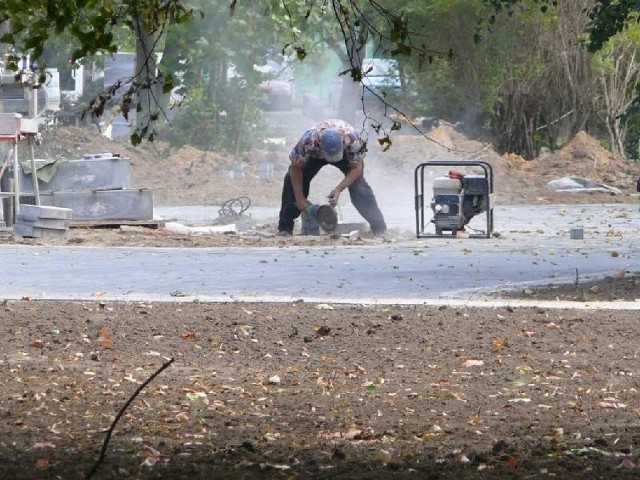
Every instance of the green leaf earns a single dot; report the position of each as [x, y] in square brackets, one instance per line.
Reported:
[301, 53]
[135, 139]
[385, 143]
[356, 74]
[168, 84]
[401, 49]
[7, 38]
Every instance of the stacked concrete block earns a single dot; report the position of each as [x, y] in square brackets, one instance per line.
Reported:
[97, 187]
[103, 171]
[104, 205]
[38, 221]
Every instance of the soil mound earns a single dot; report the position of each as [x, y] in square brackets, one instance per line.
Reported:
[189, 176]
[583, 156]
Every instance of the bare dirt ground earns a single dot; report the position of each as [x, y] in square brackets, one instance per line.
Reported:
[317, 391]
[284, 391]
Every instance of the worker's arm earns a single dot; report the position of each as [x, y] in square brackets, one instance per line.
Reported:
[295, 170]
[348, 180]
[298, 158]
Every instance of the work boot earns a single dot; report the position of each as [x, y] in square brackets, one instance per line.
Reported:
[284, 233]
[382, 235]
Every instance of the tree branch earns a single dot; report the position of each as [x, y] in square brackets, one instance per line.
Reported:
[103, 452]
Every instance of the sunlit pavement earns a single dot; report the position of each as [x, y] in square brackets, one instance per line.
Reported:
[534, 246]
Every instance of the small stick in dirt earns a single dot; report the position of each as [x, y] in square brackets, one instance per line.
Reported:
[105, 444]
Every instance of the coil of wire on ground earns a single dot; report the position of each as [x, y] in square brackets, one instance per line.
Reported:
[233, 209]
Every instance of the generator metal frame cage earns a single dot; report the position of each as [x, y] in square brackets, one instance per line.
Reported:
[420, 200]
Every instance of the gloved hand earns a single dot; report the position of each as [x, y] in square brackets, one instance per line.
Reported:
[333, 197]
[302, 205]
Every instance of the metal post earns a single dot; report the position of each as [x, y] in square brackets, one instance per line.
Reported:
[16, 179]
[34, 173]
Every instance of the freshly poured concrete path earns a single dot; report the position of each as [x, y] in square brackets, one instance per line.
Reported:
[534, 247]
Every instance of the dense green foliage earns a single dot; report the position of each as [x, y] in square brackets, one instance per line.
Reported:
[525, 79]
[215, 55]
[498, 83]
[92, 25]
[610, 17]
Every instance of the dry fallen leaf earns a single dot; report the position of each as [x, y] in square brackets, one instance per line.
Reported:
[182, 417]
[44, 445]
[324, 306]
[619, 273]
[473, 363]
[499, 343]
[511, 462]
[611, 405]
[627, 463]
[149, 462]
[189, 336]
[383, 456]
[352, 433]
[152, 456]
[323, 331]
[105, 338]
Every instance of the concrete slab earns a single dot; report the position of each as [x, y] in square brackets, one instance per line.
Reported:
[57, 223]
[39, 221]
[27, 230]
[54, 223]
[129, 204]
[10, 123]
[34, 212]
[94, 172]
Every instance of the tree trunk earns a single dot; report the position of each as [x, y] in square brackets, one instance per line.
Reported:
[4, 47]
[152, 102]
[351, 58]
[618, 84]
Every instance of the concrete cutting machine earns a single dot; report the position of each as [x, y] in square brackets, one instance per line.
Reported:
[457, 198]
[317, 217]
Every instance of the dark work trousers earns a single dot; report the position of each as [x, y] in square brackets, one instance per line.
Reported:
[361, 194]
